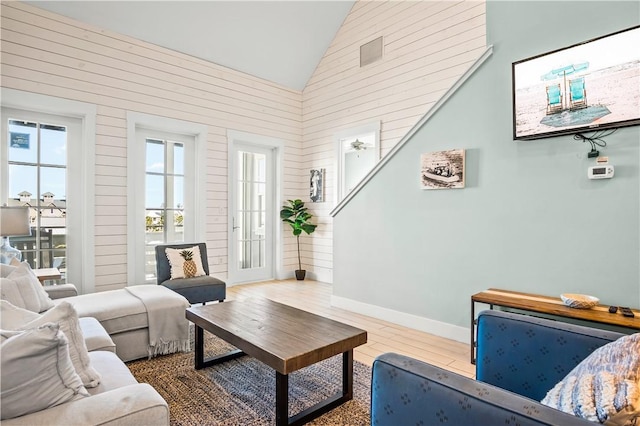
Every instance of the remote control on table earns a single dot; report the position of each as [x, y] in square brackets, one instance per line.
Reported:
[626, 312]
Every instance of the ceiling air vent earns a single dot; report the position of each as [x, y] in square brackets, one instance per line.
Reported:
[371, 52]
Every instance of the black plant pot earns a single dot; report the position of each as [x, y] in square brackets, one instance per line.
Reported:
[300, 274]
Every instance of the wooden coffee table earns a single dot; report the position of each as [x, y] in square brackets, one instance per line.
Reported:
[282, 337]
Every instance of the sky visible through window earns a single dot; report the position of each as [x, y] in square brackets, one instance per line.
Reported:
[155, 163]
[23, 148]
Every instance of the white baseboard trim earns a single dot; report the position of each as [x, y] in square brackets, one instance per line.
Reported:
[281, 274]
[438, 328]
[324, 276]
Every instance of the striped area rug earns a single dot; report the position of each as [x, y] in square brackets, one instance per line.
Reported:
[242, 391]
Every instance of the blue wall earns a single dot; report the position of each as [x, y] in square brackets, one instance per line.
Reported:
[528, 220]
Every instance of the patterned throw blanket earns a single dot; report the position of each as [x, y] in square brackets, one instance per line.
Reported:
[168, 327]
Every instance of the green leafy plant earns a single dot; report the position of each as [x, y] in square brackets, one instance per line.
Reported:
[297, 216]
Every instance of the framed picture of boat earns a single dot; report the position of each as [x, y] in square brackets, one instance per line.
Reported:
[442, 169]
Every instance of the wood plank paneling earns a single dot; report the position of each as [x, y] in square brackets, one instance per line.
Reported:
[53, 55]
[427, 46]
[114, 45]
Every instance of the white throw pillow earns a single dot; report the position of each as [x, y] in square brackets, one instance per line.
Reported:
[36, 371]
[64, 314]
[605, 386]
[5, 270]
[177, 261]
[23, 289]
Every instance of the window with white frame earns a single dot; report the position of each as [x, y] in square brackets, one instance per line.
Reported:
[164, 196]
[166, 192]
[37, 178]
[44, 165]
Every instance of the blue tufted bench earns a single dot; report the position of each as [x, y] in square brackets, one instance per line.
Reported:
[197, 289]
[520, 358]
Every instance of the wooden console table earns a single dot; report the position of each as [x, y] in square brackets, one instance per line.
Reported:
[546, 305]
[45, 274]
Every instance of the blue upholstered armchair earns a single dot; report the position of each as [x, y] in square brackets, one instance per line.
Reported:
[200, 289]
[519, 359]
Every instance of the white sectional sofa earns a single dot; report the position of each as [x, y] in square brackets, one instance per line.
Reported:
[125, 317]
[115, 328]
[118, 400]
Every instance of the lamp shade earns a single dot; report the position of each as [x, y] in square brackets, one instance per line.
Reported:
[14, 221]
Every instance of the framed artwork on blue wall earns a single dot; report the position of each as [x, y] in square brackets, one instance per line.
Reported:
[442, 169]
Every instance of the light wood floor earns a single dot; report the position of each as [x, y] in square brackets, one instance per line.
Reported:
[383, 336]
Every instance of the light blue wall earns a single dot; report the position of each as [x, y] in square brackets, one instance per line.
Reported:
[528, 220]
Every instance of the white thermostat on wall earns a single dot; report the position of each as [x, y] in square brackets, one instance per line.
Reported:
[604, 171]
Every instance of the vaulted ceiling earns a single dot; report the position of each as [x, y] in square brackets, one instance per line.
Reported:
[280, 41]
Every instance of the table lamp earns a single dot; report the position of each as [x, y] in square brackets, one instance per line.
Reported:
[14, 221]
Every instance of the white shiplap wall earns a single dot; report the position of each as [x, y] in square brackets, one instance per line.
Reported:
[52, 55]
[427, 47]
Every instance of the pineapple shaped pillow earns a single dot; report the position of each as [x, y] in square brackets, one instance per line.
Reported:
[185, 263]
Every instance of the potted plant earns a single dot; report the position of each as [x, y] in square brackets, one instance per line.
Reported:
[297, 216]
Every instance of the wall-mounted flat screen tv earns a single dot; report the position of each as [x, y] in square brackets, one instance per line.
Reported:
[590, 86]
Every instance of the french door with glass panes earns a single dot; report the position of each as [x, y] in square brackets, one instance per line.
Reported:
[165, 192]
[34, 164]
[252, 204]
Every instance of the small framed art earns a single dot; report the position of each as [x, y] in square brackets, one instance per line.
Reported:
[442, 169]
[316, 185]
